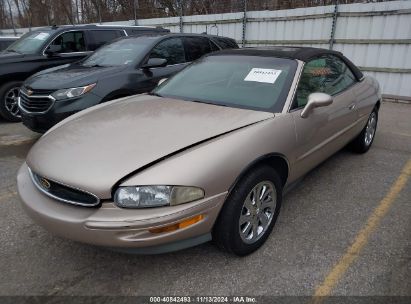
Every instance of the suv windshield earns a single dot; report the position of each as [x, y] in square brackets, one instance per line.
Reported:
[251, 82]
[30, 43]
[121, 52]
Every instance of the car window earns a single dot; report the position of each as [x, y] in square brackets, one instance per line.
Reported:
[225, 43]
[197, 47]
[327, 74]
[214, 46]
[101, 37]
[30, 43]
[70, 42]
[170, 49]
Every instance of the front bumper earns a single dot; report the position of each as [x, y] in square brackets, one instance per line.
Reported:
[114, 227]
[41, 122]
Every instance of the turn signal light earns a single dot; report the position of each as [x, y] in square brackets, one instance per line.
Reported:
[179, 225]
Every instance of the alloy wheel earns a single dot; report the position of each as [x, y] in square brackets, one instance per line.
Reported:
[370, 129]
[257, 212]
[11, 101]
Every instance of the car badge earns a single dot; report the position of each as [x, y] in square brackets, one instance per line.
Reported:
[29, 92]
[45, 183]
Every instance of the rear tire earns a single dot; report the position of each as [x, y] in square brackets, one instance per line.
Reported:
[362, 143]
[255, 201]
[8, 101]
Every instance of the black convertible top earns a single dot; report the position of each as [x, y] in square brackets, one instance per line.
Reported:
[301, 53]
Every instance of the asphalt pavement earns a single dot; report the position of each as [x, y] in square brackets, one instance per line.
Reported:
[320, 219]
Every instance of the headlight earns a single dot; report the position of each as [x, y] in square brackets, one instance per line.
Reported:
[155, 196]
[73, 92]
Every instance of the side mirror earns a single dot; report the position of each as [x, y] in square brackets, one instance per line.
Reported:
[155, 63]
[161, 81]
[52, 50]
[316, 100]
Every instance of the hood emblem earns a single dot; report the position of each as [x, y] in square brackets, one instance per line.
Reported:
[45, 183]
[29, 92]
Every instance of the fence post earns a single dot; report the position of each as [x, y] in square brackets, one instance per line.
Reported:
[334, 25]
[135, 4]
[244, 22]
[181, 16]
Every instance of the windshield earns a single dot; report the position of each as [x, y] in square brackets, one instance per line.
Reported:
[251, 82]
[30, 43]
[121, 52]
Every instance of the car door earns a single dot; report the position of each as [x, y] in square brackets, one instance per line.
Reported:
[327, 129]
[69, 47]
[171, 49]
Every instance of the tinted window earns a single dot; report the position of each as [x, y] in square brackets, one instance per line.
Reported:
[225, 43]
[70, 42]
[214, 47]
[251, 82]
[197, 47]
[327, 74]
[30, 43]
[101, 37]
[170, 49]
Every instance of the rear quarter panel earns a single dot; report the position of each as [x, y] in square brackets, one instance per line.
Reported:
[368, 94]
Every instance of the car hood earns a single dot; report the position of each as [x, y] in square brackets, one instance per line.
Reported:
[9, 57]
[69, 76]
[95, 150]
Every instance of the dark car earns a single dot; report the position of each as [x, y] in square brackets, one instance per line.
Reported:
[49, 47]
[128, 66]
[6, 41]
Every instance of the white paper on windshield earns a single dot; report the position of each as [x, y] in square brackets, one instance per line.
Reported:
[41, 36]
[263, 75]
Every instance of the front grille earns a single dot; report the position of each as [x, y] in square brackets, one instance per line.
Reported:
[64, 193]
[35, 103]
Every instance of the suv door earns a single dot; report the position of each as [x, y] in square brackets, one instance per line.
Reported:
[171, 49]
[326, 129]
[69, 46]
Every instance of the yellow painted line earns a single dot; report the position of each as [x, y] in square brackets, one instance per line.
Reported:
[7, 195]
[325, 288]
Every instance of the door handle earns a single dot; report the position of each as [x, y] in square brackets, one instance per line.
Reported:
[352, 106]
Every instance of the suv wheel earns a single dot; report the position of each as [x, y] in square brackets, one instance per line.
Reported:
[9, 108]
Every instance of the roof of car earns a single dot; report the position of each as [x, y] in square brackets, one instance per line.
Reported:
[290, 52]
[98, 26]
[300, 53]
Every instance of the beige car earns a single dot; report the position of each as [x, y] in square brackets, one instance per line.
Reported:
[206, 156]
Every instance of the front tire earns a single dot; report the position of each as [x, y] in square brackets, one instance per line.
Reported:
[9, 108]
[362, 143]
[250, 212]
